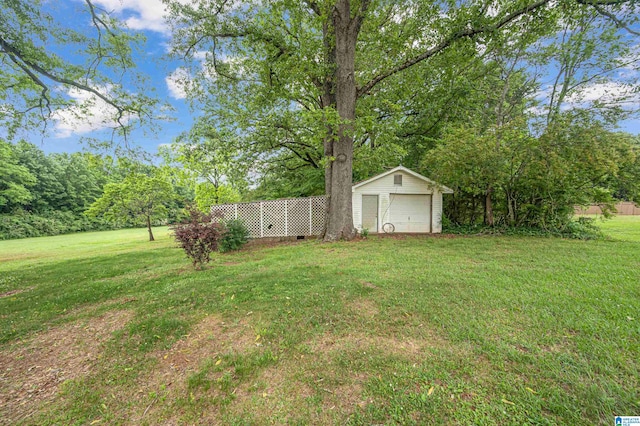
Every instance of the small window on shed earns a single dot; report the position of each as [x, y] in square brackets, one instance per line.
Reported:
[397, 180]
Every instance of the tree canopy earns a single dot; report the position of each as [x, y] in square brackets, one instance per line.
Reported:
[137, 196]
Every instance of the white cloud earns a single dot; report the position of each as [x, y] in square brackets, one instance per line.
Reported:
[630, 64]
[138, 14]
[607, 93]
[90, 113]
[537, 111]
[178, 83]
[201, 55]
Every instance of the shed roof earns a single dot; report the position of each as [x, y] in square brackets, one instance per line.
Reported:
[444, 189]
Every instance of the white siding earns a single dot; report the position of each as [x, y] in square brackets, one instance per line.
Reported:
[356, 208]
[385, 188]
[436, 206]
[410, 185]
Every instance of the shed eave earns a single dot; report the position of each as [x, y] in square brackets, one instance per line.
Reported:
[442, 188]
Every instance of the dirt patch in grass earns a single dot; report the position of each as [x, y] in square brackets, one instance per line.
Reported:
[31, 372]
[365, 307]
[298, 387]
[302, 389]
[209, 340]
[400, 346]
[14, 292]
[195, 382]
[272, 395]
[10, 293]
[367, 284]
[346, 397]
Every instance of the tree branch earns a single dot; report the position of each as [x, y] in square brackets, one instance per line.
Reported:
[45, 90]
[467, 33]
[619, 23]
[31, 68]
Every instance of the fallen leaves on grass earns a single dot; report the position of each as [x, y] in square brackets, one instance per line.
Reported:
[32, 371]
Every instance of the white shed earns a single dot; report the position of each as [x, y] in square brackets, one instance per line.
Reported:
[401, 200]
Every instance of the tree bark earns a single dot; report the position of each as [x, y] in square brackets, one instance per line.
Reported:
[488, 207]
[149, 228]
[328, 100]
[339, 214]
[511, 207]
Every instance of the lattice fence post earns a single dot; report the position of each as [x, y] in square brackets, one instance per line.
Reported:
[236, 209]
[310, 216]
[261, 220]
[286, 219]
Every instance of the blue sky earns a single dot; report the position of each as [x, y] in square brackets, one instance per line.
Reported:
[146, 16]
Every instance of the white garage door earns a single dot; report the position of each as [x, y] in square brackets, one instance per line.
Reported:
[410, 213]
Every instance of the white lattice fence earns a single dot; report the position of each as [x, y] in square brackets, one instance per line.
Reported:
[278, 218]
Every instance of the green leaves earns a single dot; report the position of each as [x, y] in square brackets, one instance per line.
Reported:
[15, 180]
[39, 85]
[138, 196]
[270, 78]
[534, 181]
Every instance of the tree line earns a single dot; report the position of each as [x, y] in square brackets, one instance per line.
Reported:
[49, 194]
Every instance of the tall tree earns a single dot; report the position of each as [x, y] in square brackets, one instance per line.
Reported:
[212, 158]
[590, 65]
[536, 181]
[297, 62]
[48, 190]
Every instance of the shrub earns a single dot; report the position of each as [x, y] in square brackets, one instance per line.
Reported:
[234, 236]
[198, 237]
[22, 224]
[584, 228]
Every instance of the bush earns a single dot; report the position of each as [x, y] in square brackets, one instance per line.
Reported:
[198, 237]
[21, 224]
[584, 228]
[234, 236]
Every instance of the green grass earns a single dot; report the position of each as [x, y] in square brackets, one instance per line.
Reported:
[624, 228]
[419, 330]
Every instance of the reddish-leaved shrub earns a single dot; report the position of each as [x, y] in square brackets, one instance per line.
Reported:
[198, 237]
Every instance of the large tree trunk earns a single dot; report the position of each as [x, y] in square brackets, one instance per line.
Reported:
[340, 215]
[328, 100]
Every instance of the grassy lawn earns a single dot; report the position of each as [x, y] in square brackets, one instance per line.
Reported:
[625, 228]
[107, 328]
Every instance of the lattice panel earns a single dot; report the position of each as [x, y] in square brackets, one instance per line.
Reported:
[278, 218]
[250, 214]
[298, 217]
[223, 211]
[318, 214]
[273, 218]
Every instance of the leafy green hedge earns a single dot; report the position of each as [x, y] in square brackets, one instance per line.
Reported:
[25, 225]
[583, 228]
